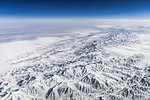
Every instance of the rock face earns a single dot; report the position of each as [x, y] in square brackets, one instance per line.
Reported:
[80, 69]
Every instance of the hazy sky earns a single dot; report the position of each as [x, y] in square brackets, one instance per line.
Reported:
[75, 8]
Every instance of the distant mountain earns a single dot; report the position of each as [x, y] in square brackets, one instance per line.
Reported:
[81, 68]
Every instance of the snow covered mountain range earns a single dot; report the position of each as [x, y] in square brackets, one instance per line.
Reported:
[112, 64]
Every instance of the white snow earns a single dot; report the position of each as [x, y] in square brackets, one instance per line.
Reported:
[143, 47]
[11, 50]
[88, 66]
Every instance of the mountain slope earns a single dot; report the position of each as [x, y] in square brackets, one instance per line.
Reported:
[80, 69]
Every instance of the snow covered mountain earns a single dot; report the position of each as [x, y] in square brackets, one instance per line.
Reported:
[109, 65]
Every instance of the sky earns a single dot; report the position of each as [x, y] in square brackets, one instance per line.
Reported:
[75, 9]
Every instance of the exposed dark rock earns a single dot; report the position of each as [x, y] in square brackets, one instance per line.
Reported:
[20, 82]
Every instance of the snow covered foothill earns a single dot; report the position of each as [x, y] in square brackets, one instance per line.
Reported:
[103, 64]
